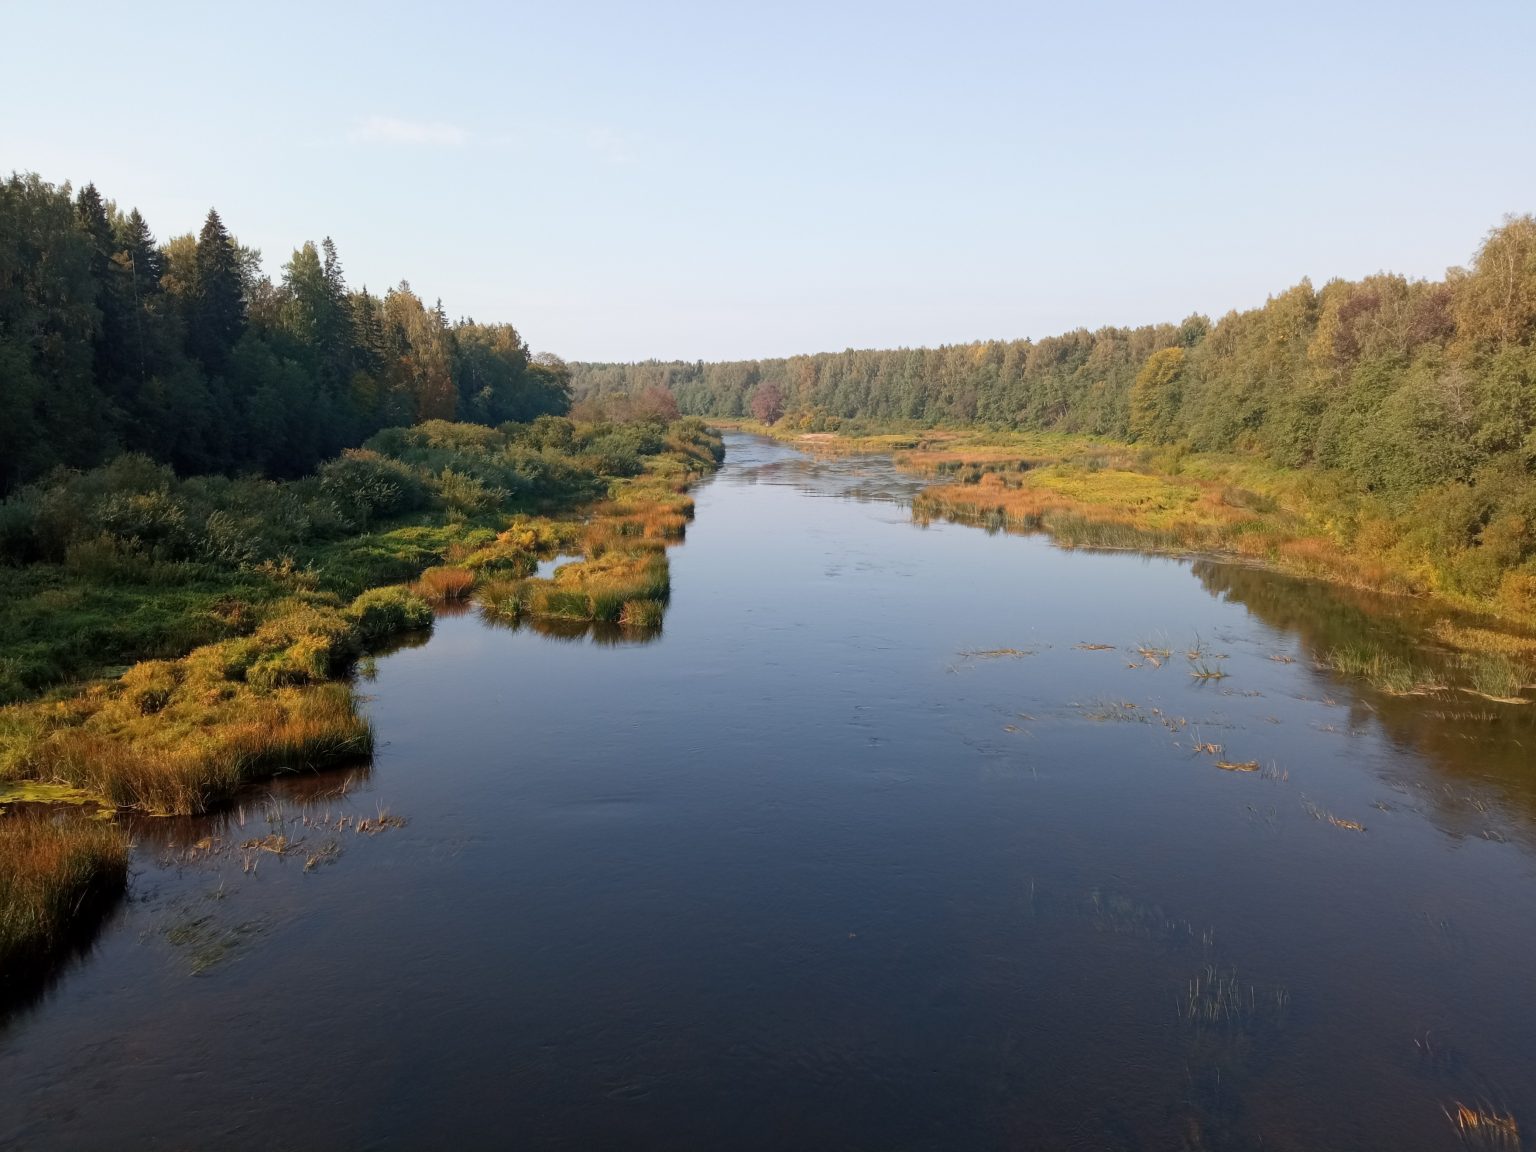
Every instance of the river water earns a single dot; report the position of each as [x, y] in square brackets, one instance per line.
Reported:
[891, 839]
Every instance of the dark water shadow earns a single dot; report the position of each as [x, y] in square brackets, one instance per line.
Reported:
[27, 979]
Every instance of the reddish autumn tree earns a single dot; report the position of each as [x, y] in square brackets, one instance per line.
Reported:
[768, 402]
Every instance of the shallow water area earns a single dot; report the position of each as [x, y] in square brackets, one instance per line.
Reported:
[894, 836]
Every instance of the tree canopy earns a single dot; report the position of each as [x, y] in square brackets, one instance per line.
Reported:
[188, 353]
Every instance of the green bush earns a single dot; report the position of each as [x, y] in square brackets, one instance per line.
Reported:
[367, 486]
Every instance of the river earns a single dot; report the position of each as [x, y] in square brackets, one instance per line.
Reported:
[897, 836]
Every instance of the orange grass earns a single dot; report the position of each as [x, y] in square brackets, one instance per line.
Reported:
[49, 869]
[444, 584]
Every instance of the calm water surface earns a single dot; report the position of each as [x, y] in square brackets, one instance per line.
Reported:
[820, 868]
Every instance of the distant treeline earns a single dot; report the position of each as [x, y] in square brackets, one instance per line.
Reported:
[186, 352]
[1408, 385]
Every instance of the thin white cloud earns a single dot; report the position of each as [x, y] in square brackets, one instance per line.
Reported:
[393, 130]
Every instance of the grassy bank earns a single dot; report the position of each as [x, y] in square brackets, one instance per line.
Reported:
[250, 647]
[1089, 493]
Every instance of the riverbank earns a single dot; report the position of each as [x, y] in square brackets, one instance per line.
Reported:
[183, 732]
[1088, 493]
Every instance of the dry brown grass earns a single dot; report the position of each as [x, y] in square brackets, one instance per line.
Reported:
[1484, 1127]
[50, 867]
[444, 584]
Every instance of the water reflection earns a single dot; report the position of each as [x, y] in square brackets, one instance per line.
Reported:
[602, 633]
[893, 838]
[1483, 748]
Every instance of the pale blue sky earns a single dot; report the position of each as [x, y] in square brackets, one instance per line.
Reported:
[719, 181]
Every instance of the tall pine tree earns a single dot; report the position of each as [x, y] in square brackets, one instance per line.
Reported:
[218, 314]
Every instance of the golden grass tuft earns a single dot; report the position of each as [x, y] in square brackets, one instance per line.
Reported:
[642, 614]
[444, 584]
[50, 866]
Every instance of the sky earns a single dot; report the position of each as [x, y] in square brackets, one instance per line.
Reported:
[725, 181]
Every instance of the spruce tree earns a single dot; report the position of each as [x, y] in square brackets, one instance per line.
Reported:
[218, 314]
[136, 245]
[91, 212]
[113, 294]
[336, 339]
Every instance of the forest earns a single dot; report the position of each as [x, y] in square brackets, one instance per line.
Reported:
[1418, 395]
[186, 352]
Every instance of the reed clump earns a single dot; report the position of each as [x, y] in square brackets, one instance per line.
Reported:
[602, 587]
[642, 614]
[51, 867]
[444, 584]
[622, 578]
[1485, 1128]
[1381, 670]
[1497, 676]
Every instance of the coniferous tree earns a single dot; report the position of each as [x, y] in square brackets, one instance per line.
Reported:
[188, 353]
[218, 314]
[114, 297]
[138, 268]
[136, 245]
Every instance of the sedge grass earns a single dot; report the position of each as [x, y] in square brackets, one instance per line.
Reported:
[444, 584]
[1496, 676]
[51, 866]
[1381, 670]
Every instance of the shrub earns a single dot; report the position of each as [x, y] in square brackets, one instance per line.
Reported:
[367, 485]
[468, 494]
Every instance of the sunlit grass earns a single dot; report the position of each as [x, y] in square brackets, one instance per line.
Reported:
[443, 584]
[50, 867]
[250, 667]
[1090, 494]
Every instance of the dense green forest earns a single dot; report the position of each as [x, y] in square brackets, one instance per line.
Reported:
[186, 352]
[1407, 386]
